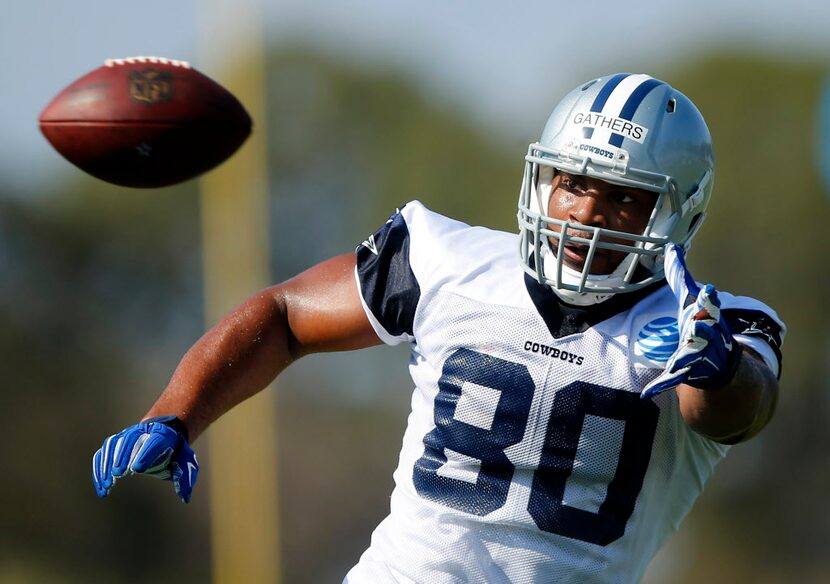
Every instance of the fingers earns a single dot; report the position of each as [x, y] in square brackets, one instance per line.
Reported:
[152, 454]
[123, 451]
[666, 381]
[659, 386]
[680, 281]
[102, 466]
[147, 448]
[185, 472]
[97, 473]
[692, 344]
[143, 448]
[677, 369]
[709, 302]
[705, 346]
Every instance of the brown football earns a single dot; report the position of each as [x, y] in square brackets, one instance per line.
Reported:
[145, 122]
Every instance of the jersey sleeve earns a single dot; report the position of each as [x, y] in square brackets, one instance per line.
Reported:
[757, 326]
[388, 287]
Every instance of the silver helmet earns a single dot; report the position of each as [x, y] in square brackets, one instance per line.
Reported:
[628, 130]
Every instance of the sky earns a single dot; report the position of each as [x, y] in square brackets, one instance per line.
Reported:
[503, 64]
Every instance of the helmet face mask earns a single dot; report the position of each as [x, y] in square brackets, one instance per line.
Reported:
[627, 130]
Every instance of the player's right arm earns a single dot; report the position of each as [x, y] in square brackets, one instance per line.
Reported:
[316, 311]
[319, 310]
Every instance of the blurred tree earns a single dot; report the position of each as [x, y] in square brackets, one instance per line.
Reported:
[763, 516]
[348, 147]
[100, 296]
[93, 297]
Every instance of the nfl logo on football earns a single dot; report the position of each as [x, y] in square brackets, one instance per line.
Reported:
[150, 86]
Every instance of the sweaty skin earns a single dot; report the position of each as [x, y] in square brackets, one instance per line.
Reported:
[314, 312]
[596, 203]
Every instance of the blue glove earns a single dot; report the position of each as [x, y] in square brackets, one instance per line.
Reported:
[707, 356]
[156, 447]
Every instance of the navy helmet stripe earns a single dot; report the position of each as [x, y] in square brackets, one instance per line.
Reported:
[602, 98]
[631, 105]
[605, 92]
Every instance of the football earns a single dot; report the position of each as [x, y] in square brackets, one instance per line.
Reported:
[145, 122]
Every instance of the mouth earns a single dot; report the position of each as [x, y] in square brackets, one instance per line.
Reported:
[575, 256]
[576, 252]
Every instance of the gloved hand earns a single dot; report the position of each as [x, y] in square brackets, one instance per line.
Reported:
[707, 356]
[156, 447]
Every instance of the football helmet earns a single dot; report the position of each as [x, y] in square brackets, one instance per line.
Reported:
[629, 130]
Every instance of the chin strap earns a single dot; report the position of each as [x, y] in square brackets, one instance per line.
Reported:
[581, 298]
[570, 296]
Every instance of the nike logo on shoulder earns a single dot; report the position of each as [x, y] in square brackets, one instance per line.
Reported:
[370, 245]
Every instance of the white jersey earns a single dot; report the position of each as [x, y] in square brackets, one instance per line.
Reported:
[529, 455]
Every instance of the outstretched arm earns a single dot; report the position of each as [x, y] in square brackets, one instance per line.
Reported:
[726, 391]
[319, 310]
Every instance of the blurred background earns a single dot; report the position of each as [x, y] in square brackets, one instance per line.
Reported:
[371, 104]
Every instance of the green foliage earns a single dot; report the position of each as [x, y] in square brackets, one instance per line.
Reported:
[101, 296]
[347, 147]
[91, 287]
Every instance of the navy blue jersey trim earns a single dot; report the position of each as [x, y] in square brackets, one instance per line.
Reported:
[388, 285]
[563, 319]
[755, 323]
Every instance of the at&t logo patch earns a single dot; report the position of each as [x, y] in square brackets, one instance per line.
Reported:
[658, 339]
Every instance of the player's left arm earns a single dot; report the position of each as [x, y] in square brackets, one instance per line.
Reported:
[737, 411]
[727, 392]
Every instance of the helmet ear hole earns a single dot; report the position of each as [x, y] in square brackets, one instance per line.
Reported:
[694, 221]
[589, 84]
[671, 105]
[695, 224]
